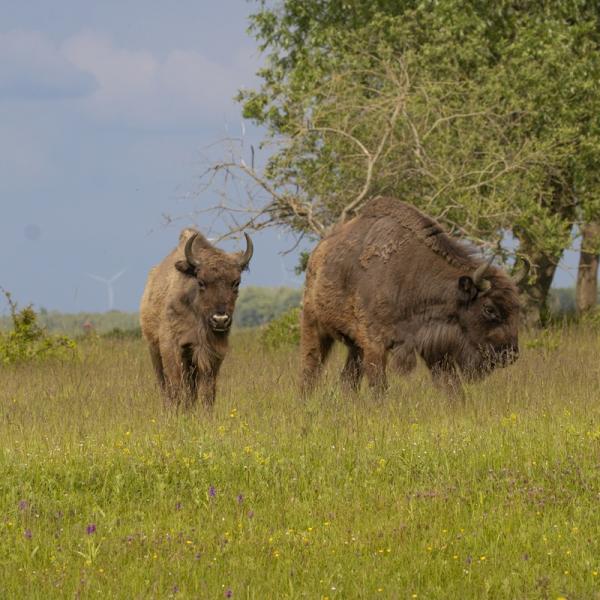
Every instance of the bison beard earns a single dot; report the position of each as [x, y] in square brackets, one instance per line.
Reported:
[391, 283]
[185, 315]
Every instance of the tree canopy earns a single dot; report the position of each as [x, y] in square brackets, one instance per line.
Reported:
[485, 115]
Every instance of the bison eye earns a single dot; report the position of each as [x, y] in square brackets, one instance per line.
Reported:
[236, 284]
[490, 313]
[201, 284]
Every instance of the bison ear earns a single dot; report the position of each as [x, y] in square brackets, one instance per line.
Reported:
[183, 266]
[467, 288]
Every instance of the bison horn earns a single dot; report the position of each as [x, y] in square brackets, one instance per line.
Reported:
[247, 255]
[520, 274]
[481, 270]
[189, 256]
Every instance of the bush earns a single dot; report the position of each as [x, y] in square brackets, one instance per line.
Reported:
[27, 340]
[282, 331]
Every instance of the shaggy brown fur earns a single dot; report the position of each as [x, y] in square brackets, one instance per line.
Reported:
[391, 282]
[185, 315]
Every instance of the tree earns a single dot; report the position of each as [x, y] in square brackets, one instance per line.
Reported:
[464, 109]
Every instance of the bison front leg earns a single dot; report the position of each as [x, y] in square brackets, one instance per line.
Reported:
[206, 382]
[447, 378]
[353, 369]
[207, 386]
[179, 374]
[314, 348]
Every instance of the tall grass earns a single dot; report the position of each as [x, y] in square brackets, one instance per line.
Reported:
[104, 494]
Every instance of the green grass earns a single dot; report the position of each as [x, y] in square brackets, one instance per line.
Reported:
[339, 497]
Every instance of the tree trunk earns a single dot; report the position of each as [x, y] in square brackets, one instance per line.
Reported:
[586, 294]
[535, 293]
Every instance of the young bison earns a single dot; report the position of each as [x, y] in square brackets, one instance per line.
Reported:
[186, 314]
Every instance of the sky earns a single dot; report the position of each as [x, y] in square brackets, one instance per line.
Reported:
[107, 112]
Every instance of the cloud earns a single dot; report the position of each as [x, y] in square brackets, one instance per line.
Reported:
[32, 67]
[182, 88]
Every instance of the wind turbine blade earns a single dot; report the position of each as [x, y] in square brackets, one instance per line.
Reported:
[97, 278]
[115, 277]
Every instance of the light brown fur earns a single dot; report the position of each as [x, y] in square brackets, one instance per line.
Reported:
[175, 312]
[391, 283]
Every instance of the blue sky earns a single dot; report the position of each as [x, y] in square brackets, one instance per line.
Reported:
[106, 110]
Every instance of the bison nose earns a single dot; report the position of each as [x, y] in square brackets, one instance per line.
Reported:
[220, 321]
[510, 354]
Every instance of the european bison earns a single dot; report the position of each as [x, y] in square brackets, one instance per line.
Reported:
[391, 281]
[186, 313]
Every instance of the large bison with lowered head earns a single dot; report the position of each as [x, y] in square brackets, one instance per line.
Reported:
[186, 314]
[391, 282]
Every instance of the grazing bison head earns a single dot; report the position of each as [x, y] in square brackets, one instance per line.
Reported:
[488, 316]
[215, 276]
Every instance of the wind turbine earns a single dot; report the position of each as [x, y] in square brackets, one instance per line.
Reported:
[109, 286]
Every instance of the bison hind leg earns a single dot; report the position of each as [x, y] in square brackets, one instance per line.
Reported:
[353, 369]
[157, 363]
[374, 363]
[315, 347]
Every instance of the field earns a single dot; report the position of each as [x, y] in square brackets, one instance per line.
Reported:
[104, 494]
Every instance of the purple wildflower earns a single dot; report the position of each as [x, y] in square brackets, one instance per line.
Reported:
[27, 533]
[91, 528]
[250, 514]
[175, 588]
[198, 555]
[23, 505]
[240, 498]
[228, 593]
[178, 505]
[212, 491]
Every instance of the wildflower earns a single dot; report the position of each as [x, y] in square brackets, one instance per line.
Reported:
[27, 533]
[91, 528]
[175, 588]
[178, 505]
[240, 498]
[212, 491]
[228, 593]
[23, 505]
[250, 514]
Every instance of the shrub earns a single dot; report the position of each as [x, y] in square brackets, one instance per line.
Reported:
[282, 331]
[27, 340]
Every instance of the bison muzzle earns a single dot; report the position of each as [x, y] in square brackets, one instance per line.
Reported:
[186, 314]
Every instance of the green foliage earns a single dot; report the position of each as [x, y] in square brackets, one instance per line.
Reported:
[255, 306]
[27, 340]
[81, 324]
[465, 109]
[282, 331]
[259, 305]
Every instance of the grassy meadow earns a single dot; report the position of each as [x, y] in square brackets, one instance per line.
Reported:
[104, 494]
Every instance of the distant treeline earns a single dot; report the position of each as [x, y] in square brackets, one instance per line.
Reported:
[255, 306]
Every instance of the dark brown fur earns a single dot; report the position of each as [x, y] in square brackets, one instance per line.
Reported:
[175, 315]
[391, 283]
